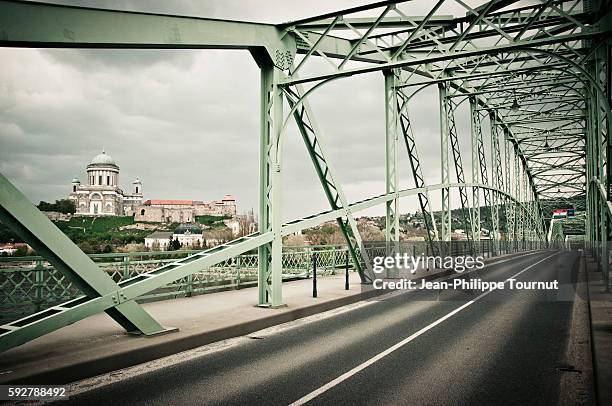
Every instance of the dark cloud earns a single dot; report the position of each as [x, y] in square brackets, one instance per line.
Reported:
[187, 122]
[89, 60]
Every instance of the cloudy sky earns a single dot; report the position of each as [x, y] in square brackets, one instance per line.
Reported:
[187, 122]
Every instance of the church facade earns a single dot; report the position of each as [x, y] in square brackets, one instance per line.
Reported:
[101, 194]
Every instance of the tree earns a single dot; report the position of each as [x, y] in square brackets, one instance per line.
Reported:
[173, 244]
[64, 206]
[370, 233]
[294, 240]
[86, 247]
[44, 206]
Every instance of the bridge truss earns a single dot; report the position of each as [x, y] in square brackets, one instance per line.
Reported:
[535, 76]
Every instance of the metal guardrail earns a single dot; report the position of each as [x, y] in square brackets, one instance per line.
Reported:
[30, 284]
[601, 249]
[603, 195]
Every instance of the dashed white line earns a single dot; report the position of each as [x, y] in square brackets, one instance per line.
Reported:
[402, 343]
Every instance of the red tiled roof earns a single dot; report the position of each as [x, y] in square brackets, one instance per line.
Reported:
[185, 202]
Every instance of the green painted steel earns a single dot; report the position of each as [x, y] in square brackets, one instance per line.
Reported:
[31, 284]
[416, 169]
[474, 144]
[391, 138]
[317, 150]
[59, 26]
[540, 73]
[445, 212]
[450, 108]
[270, 188]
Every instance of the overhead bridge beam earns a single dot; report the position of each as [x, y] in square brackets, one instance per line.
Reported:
[59, 26]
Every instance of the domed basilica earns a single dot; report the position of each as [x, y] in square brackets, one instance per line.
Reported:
[101, 195]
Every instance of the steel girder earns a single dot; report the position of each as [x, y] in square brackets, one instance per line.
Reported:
[445, 212]
[496, 180]
[315, 144]
[556, 26]
[510, 206]
[482, 161]
[416, 169]
[59, 26]
[270, 188]
[449, 108]
[475, 138]
[392, 128]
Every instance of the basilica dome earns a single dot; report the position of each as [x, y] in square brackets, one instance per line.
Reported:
[103, 159]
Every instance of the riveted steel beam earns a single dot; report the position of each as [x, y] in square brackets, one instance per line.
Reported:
[270, 188]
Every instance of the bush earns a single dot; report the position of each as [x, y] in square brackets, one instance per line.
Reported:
[65, 206]
[212, 221]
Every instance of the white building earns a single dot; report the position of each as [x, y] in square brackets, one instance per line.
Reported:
[158, 240]
[189, 235]
[101, 195]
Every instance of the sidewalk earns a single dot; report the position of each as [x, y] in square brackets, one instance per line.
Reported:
[601, 328]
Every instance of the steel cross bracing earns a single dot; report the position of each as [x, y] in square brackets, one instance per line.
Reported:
[392, 117]
[315, 145]
[496, 176]
[416, 169]
[482, 165]
[449, 108]
[539, 73]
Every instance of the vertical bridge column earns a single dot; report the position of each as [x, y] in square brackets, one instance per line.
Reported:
[474, 133]
[520, 213]
[444, 167]
[511, 204]
[270, 270]
[417, 171]
[391, 137]
[495, 182]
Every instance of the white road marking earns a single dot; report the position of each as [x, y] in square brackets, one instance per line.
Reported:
[397, 346]
[109, 378]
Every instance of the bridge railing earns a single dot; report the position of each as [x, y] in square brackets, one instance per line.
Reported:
[31, 284]
[599, 246]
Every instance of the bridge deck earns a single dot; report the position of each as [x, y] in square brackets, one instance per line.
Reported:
[428, 351]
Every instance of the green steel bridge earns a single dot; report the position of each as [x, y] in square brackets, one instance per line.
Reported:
[535, 77]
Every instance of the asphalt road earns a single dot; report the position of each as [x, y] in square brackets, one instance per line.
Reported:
[503, 348]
